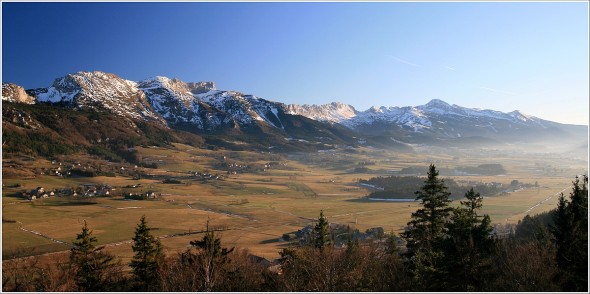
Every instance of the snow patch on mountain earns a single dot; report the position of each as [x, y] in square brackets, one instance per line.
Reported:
[436, 106]
[243, 109]
[334, 112]
[171, 98]
[54, 95]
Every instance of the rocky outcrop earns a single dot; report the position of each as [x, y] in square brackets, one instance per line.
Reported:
[334, 112]
[15, 93]
[201, 87]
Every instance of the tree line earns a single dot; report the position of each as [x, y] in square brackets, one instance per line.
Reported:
[446, 249]
[399, 187]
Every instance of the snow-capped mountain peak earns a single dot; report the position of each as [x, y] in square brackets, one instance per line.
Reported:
[521, 116]
[200, 106]
[437, 106]
[97, 90]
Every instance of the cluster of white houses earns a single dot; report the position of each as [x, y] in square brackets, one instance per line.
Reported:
[86, 190]
[208, 176]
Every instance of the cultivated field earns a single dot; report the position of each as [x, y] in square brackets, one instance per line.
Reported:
[256, 206]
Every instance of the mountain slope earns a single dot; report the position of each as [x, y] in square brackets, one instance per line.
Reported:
[202, 109]
[437, 122]
[222, 117]
[48, 130]
[174, 100]
[100, 91]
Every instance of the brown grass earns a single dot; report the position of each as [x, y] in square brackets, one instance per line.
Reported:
[256, 208]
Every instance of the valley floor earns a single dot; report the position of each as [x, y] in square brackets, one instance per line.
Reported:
[268, 195]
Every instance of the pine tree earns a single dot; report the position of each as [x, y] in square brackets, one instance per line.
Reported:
[467, 249]
[211, 244]
[210, 259]
[91, 263]
[570, 233]
[426, 230]
[148, 254]
[322, 232]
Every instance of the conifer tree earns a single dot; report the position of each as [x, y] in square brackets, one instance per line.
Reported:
[426, 229]
[91, 263]
[467, 249]
[148, 254]
[209, 258]
[211, 244]
[322, 232]
[570, 233]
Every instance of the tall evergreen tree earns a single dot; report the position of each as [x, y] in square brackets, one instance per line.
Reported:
[426, 229]
[91, 262]
[570, 233]
[148, 254]
[467, 250]
[210, 258]
[321, 231]
[211, 244]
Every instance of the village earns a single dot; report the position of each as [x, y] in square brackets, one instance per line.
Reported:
[75, 169]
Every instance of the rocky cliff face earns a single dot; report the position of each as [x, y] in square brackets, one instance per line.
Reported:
[202, 106]
[172, 99]
[334, 112]
[192, 105]
[201, 87]
[98, 90]
[15, 93]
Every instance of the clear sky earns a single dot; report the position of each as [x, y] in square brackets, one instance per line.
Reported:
[503, 56]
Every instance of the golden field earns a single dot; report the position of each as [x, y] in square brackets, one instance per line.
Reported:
[255, 208]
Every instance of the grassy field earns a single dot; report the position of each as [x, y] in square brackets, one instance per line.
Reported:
[255, 207]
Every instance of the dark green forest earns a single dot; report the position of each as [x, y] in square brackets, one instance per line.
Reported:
[444, 248]
[401, 187]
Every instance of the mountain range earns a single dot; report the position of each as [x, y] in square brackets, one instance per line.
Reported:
[200, 108]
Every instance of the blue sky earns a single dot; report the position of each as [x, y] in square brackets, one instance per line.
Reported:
[503, 56]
